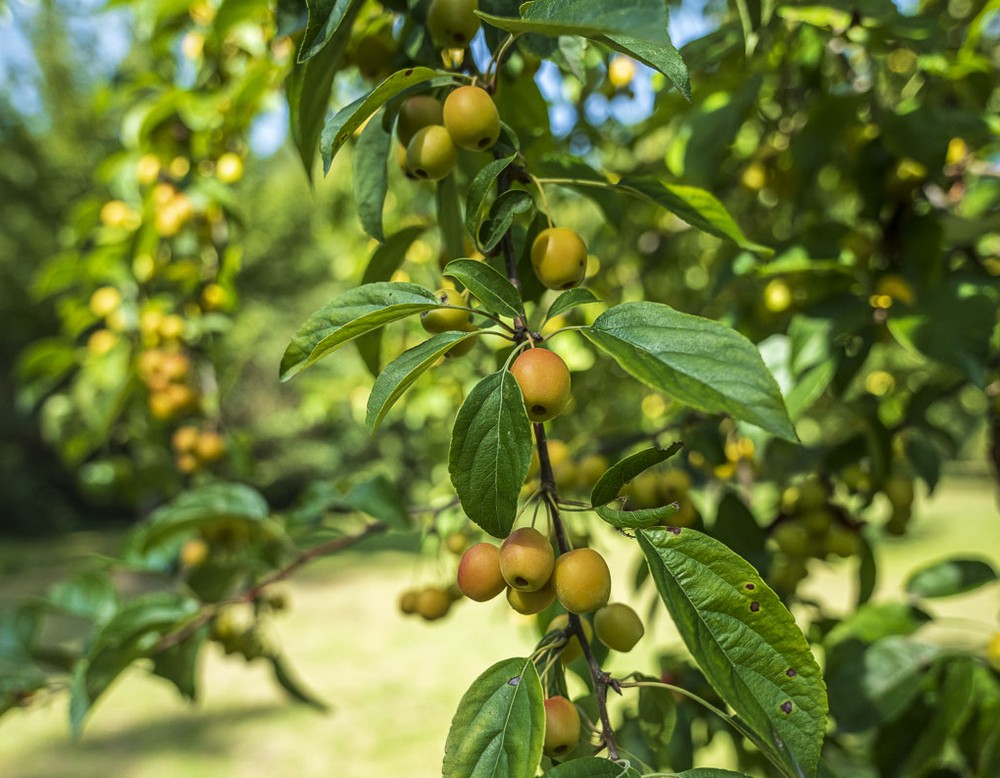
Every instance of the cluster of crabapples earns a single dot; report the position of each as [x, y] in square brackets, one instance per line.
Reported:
[809, 527]
[527, 569]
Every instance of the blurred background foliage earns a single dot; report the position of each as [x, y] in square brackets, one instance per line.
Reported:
[154, 205]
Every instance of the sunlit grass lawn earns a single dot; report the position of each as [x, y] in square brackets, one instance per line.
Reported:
[393, 683]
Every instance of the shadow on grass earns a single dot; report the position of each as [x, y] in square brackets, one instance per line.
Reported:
[199, 736]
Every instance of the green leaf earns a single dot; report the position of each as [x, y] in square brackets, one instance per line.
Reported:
[499, 726]
[326, 17]
[950, 576]
[745, 642]
[360, 310]
[294, 688]
[700, 362]
[634, 27]
[371, 176]
[505, 208]
[179, 664]
[950, 714]
[873, 684]
[480, 188]
[697, 207]
[387, 258]
[308, 89]
[449, 218]
[88, 594]
[132, 633]
[381, 499]
[610, 484]
[571, 299]
[491, 452]
[662, 56]
[341, 125]
[592, 767]
[736, 526]
[710, 772]
[198, 507]
[400, 374]
[488, 285]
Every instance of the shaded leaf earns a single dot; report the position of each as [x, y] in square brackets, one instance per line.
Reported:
[371, 176]
[381, 499]
[950, 576]
[502, 213]
[287, 681]
[591, 767]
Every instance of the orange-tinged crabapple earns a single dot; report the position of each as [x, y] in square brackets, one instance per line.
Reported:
[526, 559]
[544, 381]
[562, 726]
[479, 576]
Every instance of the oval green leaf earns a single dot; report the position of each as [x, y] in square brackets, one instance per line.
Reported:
[745, 642]
[400, 374]
[592, 767]
[950, 576]
[371, 176]
[360, 310]
[700, 362]
[571, 299]
[488, 285]
[610, 484]
[698, 207]
[491, 452]
[499, 727]
[341, 125]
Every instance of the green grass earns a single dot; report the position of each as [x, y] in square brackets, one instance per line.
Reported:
[393, 683]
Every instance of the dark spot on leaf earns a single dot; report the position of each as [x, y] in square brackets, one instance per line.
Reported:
[786, 706]
[407, 72]
[674, 530]
[517, 679]
[755, 606]
[790, 672]
[751, 587]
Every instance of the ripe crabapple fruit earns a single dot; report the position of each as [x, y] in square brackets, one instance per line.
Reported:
[416, 113]
[559, 258]
[471, 118]
[479, 575]
[544, 381]
[526, 559]
[529, 603]
[431, 154]
[453, 23]
[445, 319]
[562, 726]
[572, 650]
[618, 626]
[582, 580]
